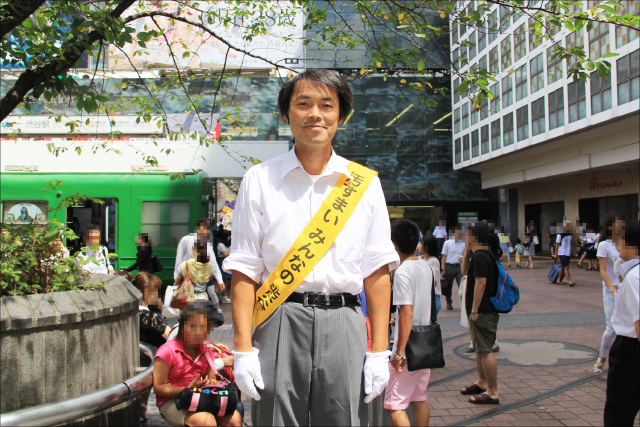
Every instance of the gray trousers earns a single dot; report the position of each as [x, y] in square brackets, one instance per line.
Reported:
[311, 360]
[452, 271]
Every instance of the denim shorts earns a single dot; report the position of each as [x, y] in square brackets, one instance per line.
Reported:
[564, 260]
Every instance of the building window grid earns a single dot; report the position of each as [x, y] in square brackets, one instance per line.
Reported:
[537, 117]
[475, 144]
[537, 75]
[484, 139]
[625, 35]
[484, 109]
[456, 58]
[507, 130]
[575, 39]
[496, 142]
[599, 41]
[600, 93]
[456, 121]
[458, 150]
[576, 96]
[507, 91]
[520, 43]
[554, 67]
[474, 115]
[456, 95]
[454, 33]
[628, 75]
[482, 63]
[494, 30]
[465, 147]
[556, 108]
[474, 45]
[532, 35]
[494, 60]
[521, 83]
[482, 39]
[465, 116]
[505, 20]
[522, 120]
[505, 52]
[495, 102]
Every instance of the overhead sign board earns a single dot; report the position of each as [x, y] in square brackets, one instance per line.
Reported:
[86, 125]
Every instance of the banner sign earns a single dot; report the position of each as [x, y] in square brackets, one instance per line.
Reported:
[102, 125]
[193, 47]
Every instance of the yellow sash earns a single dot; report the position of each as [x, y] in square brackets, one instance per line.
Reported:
[313, 242]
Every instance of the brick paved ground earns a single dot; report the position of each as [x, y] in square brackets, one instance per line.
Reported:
[546, 312]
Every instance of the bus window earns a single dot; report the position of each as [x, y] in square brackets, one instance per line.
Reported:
[22, 212]
[165, 222]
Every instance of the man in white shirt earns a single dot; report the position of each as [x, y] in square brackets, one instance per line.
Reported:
[563, 251]
[623, 380]
[440, 233]
[101, 265]
[312, 350]
[452, 250]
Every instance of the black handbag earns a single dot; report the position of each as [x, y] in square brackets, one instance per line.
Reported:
[424, 347]
[155, 264]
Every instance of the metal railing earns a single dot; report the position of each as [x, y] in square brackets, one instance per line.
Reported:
[85, 405]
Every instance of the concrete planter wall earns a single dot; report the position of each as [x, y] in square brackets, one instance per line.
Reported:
[65, 344]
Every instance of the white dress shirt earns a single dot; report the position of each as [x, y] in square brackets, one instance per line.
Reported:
[453, 250]
[276, 201]
[185, 253]
[440, 232]
[101, 264]
[625, 313]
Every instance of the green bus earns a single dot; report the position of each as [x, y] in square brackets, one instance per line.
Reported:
[144, 202]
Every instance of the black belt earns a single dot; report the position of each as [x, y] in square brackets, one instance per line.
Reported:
[317, 299]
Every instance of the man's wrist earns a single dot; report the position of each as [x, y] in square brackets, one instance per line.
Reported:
[474, 311]
[397, 356]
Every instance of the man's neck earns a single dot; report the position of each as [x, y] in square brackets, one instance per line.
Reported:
[313, 160]
[478, 247]
[405, 256]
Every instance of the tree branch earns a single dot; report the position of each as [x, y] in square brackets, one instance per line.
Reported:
[32, 78]
[15, 12]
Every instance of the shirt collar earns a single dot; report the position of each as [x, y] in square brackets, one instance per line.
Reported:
[179, 347]
[336, 164]
[624, 268]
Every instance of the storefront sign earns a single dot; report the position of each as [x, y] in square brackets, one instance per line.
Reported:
[467, 214]
[595, 185]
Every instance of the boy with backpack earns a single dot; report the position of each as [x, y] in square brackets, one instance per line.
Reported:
[519, 252]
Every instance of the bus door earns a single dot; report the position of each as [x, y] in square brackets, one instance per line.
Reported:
[88, 212]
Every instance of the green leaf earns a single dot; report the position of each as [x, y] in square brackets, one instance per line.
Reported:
[610, 54]
[421, 65]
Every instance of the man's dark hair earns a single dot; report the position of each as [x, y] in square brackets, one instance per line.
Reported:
[632, 233]
[406, 235]
[480, 230]
[430, 245]
[327, 78]
[92, 227]
[204, 221]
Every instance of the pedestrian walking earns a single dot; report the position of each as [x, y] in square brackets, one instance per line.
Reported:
[563, 251]
[143, 257]
[100, 254]
[430, 246]
[482, 284]
[440, 233]
[529, 245]
[452, 250]
[413, 281]
[505, 245]
[519, 250]
[623, 381]
[313, 229]
[198, 269]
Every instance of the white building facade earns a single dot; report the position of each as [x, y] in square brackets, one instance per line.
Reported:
[556, 149]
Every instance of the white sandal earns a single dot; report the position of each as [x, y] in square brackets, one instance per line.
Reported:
[598, 368]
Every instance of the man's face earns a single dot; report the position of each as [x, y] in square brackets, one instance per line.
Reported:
[92, 238]
[202, 231]
[313, 114]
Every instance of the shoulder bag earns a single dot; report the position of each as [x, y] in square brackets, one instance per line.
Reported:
[183, 294]
[424, 347]
[156, 265]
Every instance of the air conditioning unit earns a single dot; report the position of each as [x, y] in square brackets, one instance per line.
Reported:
[149, 168]
[23, 168]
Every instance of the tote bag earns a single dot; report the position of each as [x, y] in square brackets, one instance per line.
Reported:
[183, 294]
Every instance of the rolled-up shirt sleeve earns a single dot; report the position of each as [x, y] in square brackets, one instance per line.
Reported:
[378, 248]
[246, 231]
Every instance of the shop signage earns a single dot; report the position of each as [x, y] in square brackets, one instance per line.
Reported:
[467, 214]
[595, 185]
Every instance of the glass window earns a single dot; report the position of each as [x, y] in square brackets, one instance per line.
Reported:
[465, 116]
[492, 20]
[456, 121]
[494, 60]
[458, 151]
[24, 212]
[465, 147]
[534, 40]
[474, 115]
[495, 102]
[505, 20]
[554, 67]
[484, 139]
[456, 95]
[505, 49]
[598, 40]
[496, 142]
[522, 119]
[625, 35]
[507, 129]
[537, 117]
[577, 101]
[521, 83]
[475, 144]
[482, 63]
[456, 58]
[473, 48]
[520, 43]
[556, 109]
[629, 77]
[575, 39]
[484, 109]
[537, 76]
[454, 34]
[482, 38]
[165, 222]
[463, 30]
[507, 91]
[600, 92]
[551, 28]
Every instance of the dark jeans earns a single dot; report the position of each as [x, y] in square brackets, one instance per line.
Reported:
[452, 271]
[623, 382]
[440, 244]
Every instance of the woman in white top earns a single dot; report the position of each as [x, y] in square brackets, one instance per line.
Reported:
[623, 381]
[430, 248]
[608, 255]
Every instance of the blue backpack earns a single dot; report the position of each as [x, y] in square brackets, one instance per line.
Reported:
[508, 293]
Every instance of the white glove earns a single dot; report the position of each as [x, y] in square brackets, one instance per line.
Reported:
[376, 374]
[246, 369]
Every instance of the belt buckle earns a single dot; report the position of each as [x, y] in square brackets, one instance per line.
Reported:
[305, 300]
[327, 300]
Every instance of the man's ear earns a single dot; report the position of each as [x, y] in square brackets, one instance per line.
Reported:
[285, 118]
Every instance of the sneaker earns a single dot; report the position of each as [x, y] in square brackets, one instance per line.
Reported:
[469, 349]
[449, 306]
[226, 300]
